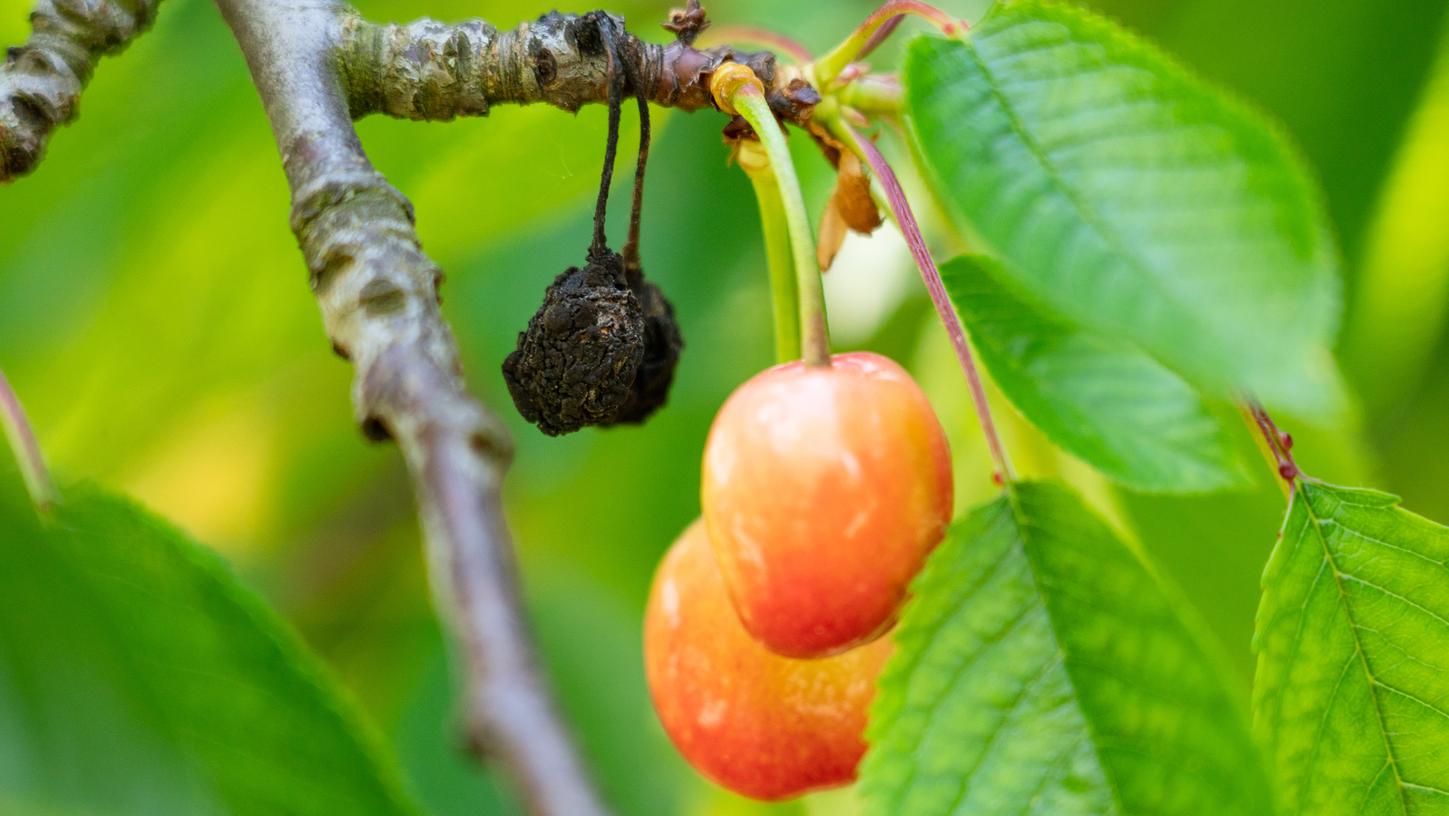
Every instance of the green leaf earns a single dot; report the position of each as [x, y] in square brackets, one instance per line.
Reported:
[1102, 399]
[139, 676]
[1041, 668]
[1134, 198]
[1352, 691]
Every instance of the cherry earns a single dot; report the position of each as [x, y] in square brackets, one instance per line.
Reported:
[825, 488]
[760, 724]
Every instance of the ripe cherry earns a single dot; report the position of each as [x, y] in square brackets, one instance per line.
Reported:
[825, 488]
[760, 724]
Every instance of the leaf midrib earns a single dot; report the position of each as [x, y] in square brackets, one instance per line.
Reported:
[1373, 684]
[1118, 458]
[1093, 737]
[1077, 417]
[960, 604]
[1089, 216]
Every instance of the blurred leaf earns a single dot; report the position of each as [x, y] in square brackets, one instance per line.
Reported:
[1213, 547]
[137, 675]
[1104, 400]
[599, 680]
[1134, 198]
[1404, 283]
[1041, 662]
[1342, 75]
[1353, 649]
[430, 745]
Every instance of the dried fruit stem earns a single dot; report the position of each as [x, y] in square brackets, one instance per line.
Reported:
[600, 246]
[750, 102]
[636, 208]
[27, 450]
[632, 263]
[779, 256]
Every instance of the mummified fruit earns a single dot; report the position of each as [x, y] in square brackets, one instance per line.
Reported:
[602, 348]
[599, 351]
[576, 363]
[757, 723]
[824, 489]
[662, 345]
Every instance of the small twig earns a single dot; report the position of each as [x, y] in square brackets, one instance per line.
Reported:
[26, 448]
[1279, 443]
[432, 70]
[41, 81]
[419, 70]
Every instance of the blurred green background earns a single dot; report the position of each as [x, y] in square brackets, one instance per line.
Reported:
[155, 317]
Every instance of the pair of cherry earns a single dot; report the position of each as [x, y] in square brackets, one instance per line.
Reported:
[825, 488]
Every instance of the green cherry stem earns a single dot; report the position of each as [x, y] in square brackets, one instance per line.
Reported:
[746, 95]
[828, 67]
[27, 450]
[874, 95]
[778, 253]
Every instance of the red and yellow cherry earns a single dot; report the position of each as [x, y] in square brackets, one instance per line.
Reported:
[825, 488]
[760, 724]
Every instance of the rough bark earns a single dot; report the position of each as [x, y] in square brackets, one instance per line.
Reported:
[431, 70]
[42, 80]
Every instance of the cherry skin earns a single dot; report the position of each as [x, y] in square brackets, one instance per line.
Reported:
[824, 490]
[762, 725]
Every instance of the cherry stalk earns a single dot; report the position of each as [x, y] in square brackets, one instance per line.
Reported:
[779, 257]
[906, 219]
[875, 29]
[740, 91]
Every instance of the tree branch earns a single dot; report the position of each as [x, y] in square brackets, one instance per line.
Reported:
[378, 294]
[41, 81]
[431, 70]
